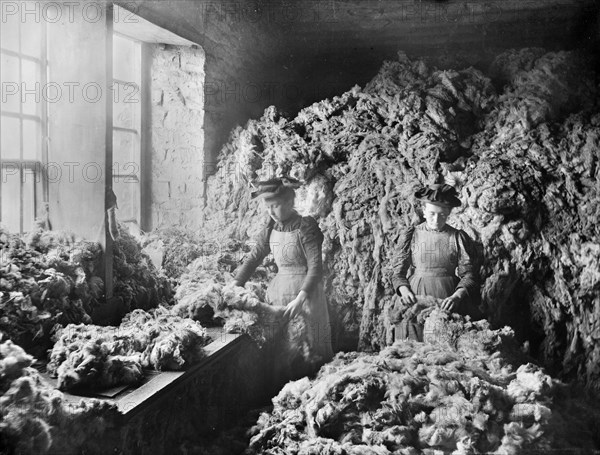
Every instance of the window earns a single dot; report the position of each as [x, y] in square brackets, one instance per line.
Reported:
[127, 128]
[23, 125]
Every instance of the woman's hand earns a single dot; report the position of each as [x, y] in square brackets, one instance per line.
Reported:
[294, 308]
[451, 303]
[406, 296]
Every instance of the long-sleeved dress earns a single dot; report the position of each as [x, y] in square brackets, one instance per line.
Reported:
[296, 247]
[443, 261]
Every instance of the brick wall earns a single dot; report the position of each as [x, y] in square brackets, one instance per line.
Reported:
[177, 145]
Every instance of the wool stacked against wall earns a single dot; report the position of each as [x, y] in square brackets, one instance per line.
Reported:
[520, 141]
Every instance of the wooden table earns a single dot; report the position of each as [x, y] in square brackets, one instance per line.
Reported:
[169, 407]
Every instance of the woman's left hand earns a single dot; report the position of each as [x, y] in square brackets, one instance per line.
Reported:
[294, 308]
[449, 303]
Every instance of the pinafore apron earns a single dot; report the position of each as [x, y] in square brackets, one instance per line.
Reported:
[434, 258]
[295, 359]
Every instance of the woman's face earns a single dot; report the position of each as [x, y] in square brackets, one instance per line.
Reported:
[435, 216]
[280, 209]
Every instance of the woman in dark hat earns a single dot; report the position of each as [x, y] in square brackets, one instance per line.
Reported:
[442, 258]
[295, 242]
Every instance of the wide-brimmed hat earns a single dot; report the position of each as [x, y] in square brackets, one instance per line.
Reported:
[439, 194]
[274, 187]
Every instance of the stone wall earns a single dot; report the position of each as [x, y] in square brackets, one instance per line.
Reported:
[177, 145]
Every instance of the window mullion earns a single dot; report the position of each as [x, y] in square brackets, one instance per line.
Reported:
[44, 114]
[19, 55]
[32, 117]
[21, 183]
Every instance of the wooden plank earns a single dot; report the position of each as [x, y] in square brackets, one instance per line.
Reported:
[132, 402]
[112, 392]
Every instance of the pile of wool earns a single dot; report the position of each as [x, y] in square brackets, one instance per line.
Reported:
[42, 239]
[207, 294]
[532, 202]
[471, 338]
[44, 283]
[136, 280]
[199, 268]
[198, 294]
[244, 311]
[520, 142]
[416, 312]
[21, 426]
[34, 418]
[95, 357]
[416, 398]
[566, 304]
[362, 154]
[539, 88]
[200, 287]
[177, 248]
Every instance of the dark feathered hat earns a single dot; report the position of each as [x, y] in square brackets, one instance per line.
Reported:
[274, 187]
[439, 194]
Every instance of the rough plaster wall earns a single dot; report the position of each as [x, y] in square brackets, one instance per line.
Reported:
[177, 78]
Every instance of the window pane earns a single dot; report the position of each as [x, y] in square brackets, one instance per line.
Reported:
[30, 90]
[9, 75]
[9, 32]
[31, 37]
[28, 199]
[127, 190]
[126, 105]
[11, 198]
[32, 149]
[126, 114]
[125, 152]
[10, 134]
[123, 59]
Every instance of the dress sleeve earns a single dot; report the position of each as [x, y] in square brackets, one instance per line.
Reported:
[258, 252]
[312, 241]
[469, 277]
[404, 260]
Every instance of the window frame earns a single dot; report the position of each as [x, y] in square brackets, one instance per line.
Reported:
[38, 166]
[140, 142]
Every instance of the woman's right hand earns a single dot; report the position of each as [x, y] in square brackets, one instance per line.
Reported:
[407, 296]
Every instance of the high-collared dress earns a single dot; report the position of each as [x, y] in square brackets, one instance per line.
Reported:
[442, 262]
[296, 247]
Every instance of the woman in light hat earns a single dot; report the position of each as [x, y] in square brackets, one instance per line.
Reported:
[442, 258]
[295, 242]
